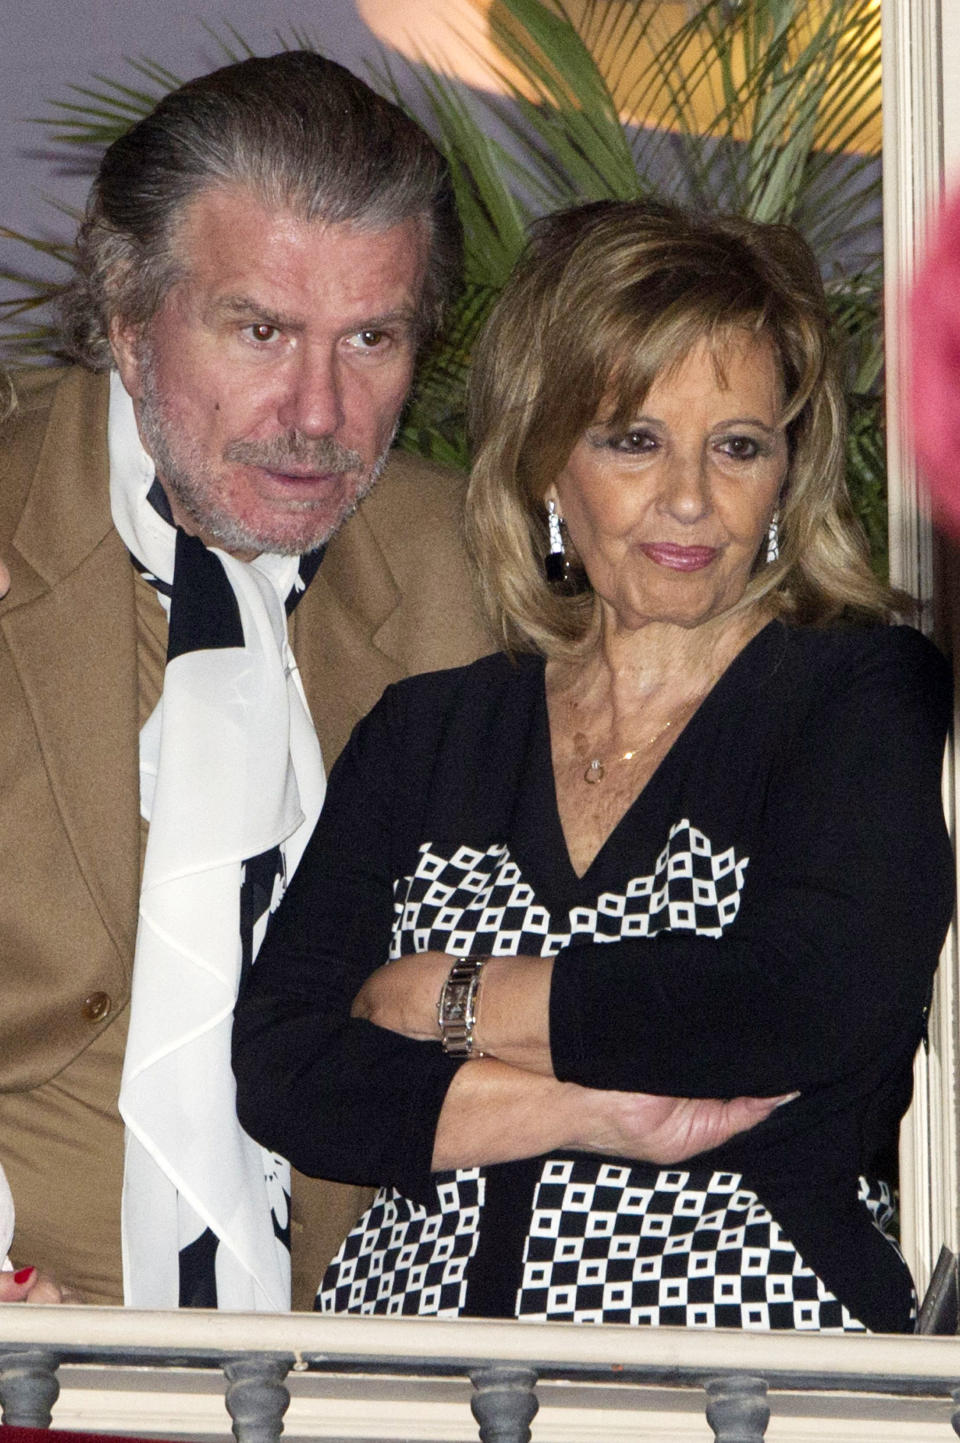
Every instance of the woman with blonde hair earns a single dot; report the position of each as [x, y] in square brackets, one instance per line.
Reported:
[679, 842]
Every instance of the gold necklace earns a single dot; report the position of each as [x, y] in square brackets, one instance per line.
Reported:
[596, 771]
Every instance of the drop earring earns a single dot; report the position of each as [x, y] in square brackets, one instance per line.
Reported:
[555, 561]
[773, 538]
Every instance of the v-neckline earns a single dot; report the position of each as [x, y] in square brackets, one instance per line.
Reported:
[543, 759]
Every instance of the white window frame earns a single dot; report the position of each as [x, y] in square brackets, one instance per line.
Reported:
[921, 149]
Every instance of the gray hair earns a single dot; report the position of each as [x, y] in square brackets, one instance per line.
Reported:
[303, 134]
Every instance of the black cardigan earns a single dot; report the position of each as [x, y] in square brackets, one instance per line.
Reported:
[811, 777]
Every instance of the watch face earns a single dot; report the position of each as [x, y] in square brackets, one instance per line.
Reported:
[455, 1006]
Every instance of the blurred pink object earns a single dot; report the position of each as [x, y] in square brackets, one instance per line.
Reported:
[934, 318]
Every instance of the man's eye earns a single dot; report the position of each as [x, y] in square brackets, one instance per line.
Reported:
[262, 331]
[368, 339]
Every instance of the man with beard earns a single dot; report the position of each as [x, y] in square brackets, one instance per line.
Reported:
[260, 261]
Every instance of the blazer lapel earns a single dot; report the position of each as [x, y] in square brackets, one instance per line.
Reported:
[72, 635]
[338, 634]
[394, 595]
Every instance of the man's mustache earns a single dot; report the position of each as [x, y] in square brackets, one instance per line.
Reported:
[292, 451]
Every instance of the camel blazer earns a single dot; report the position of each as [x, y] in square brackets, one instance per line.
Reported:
[393, 596]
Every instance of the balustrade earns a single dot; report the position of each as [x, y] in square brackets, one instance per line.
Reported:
[302, 1376]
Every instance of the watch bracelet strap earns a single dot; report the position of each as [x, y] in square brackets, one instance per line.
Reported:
[457, 1006]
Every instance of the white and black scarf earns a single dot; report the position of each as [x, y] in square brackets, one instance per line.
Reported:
[231, 783]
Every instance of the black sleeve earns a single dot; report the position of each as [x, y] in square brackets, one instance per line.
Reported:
[339, 1097]
[846, 901]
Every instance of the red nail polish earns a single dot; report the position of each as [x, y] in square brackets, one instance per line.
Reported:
[24, 1275]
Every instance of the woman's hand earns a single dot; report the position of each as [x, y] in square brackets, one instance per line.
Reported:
[29, 1285]
[666, 1130]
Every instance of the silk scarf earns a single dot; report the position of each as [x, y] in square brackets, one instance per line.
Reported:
[231, 784]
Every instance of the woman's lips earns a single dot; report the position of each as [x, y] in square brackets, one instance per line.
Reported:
[679, 558]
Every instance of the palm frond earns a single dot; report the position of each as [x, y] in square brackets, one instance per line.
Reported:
[494, 219]
[573, 114]
[435, 421]
[34, 295]
[233, 49]
[105, 111]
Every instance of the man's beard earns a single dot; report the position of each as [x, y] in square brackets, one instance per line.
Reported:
[190, 479]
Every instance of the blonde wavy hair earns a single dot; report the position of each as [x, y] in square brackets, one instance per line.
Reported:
[606, 298]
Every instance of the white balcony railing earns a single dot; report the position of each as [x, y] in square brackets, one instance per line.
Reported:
[178, 1375]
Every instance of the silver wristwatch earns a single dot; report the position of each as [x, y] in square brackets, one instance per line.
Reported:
[457, 1007]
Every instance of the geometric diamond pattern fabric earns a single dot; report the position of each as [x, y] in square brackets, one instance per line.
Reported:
[676, 1254]
[400, 1259]
[477, 901]
[692, 1249]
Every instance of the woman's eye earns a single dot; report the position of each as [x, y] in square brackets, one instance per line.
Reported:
[634, 442]
[741, 448]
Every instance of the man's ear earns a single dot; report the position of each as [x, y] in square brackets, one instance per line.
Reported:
[125, 345]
